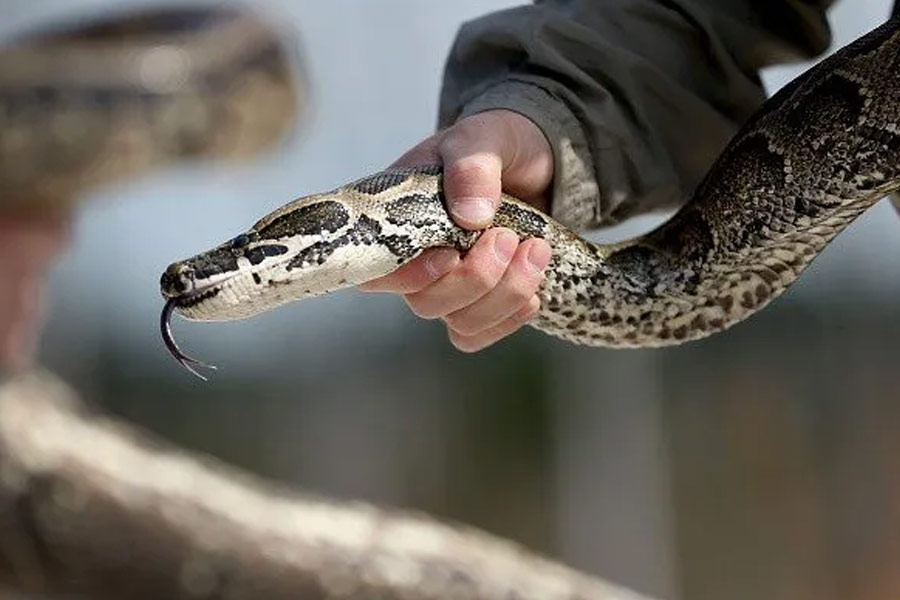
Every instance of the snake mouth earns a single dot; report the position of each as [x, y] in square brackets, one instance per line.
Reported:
[165, 326]
[195, 297]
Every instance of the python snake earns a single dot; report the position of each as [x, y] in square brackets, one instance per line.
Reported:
[817, 155]
[106, 99]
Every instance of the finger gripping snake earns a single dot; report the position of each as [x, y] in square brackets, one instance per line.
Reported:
[817, 155]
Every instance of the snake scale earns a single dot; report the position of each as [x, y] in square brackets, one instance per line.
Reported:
[816, 155]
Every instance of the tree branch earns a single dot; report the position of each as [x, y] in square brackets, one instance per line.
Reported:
[94, 507]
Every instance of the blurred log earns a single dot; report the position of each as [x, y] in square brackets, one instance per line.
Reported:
[93, 507]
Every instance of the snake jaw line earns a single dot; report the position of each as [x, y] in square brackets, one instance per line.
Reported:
[185, 360]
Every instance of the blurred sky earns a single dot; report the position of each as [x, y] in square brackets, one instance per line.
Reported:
[374, 69]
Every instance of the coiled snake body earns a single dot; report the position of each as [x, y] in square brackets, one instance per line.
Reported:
[817, 155]
[109, 99]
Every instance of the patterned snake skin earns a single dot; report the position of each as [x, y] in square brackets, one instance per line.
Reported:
[816, 156]
[106, 100]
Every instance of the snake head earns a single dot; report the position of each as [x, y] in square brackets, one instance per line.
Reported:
[177, 284]
[193, 279]
[188, 285]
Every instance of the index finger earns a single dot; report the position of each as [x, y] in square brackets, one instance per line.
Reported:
[417, 274]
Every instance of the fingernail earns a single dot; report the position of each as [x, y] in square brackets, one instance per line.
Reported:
[439, 262]
[473, 210]
[539, 256]
[505, 245]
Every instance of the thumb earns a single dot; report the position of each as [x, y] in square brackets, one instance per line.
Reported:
[475, 151]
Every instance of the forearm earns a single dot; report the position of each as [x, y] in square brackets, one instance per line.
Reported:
[636, 98]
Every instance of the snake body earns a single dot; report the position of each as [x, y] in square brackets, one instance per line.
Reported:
[817, 155]
[87, 104]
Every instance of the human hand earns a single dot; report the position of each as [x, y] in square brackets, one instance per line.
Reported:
[491, 291]
[27, 247]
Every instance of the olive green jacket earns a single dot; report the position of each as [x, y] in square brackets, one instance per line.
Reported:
[637, 97]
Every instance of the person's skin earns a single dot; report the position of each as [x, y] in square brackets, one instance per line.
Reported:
[490, 292]
[28, 246]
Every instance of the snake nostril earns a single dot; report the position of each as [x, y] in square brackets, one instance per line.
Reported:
[185, 281]
[178, 279]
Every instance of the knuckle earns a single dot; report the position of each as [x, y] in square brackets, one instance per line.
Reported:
[480, 279]
[520, 290]
[471, 126]
[463, 324]
[519, 284]
[464, 343]
[454, 321]
[528, 312]
[410, 278]
[434, 264]
[420, 308]
[454, 138]
[470, 330]
[407, 279]
[472, 168]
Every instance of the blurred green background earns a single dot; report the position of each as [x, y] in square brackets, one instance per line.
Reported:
[761, 463]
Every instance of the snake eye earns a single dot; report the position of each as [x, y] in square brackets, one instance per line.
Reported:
[240, 241]
[243, 240]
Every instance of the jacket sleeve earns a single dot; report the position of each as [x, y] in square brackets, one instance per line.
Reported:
[637, 97]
